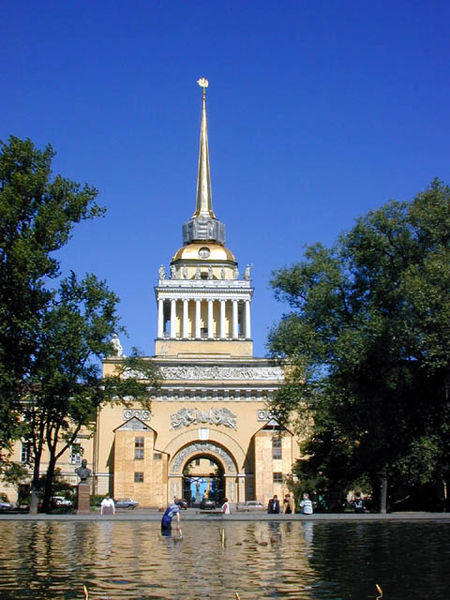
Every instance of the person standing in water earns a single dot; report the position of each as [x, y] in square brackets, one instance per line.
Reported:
[173, 510]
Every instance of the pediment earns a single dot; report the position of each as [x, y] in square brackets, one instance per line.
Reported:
[133, 424]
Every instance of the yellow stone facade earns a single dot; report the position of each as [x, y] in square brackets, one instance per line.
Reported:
[209, 420]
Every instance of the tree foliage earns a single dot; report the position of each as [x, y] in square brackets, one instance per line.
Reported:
[368, 330]
[37, 215]
[52, 339]
[66, 387]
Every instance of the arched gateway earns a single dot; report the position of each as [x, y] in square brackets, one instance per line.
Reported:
[203, 470]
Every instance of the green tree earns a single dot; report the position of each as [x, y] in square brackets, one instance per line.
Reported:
[37, 215]
[15, 474]
[66, 389]
[368, 328]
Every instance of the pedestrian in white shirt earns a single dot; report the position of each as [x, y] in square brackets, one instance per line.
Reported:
[107, 507]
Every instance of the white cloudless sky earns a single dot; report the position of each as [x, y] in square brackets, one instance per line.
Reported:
[318, 111]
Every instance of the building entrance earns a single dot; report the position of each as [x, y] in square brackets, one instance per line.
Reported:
[203, 481]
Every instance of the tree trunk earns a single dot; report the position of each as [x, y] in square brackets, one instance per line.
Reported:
[383, 492]
[35, 485]
[48, 489]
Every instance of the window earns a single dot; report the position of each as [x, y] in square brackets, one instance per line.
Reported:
[75, 454]
[197, 462]
[157, 455]
[276, 447]
[278, 477]
[25, 452]
[138, 448]
[139, 478]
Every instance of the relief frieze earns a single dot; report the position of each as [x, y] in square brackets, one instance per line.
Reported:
[200, 372]
[194, 416]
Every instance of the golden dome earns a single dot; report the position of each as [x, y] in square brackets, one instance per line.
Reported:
[207, 251]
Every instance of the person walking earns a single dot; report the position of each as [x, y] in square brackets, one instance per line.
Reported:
[306, 505]
[173, 510]
[273, 507]
[107, 506]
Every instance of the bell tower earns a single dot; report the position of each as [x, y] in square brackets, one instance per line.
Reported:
[203, 301]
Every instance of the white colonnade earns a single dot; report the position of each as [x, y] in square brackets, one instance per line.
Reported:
[180, 311]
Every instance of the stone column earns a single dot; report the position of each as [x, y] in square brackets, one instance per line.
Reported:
[197, 318]
[173, 317]
[210, 319]
[248, 329]
[174, 488]
[241, 488]
[235, 320]
[222, 319]
[185, 319]
[231, 488]
[160, 318]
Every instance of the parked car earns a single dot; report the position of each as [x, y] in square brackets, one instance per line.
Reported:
[182, 503]
[126, 503]
[207, 504]
[253, 505]
[4, 506]
[59, 501]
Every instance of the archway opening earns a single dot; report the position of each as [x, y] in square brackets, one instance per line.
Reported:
[203, 481]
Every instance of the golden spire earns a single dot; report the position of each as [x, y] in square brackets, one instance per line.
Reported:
[203, 207]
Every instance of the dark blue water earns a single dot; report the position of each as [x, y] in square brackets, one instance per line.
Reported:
[304, 560]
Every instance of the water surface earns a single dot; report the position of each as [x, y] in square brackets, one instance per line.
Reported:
[302, 560]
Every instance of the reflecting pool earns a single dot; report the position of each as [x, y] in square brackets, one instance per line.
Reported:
[302, 560]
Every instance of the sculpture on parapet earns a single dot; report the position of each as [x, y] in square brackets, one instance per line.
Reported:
[162, 272]
[247, 272]
[117, 346]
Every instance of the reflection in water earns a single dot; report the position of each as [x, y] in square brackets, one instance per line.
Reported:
[275, 559]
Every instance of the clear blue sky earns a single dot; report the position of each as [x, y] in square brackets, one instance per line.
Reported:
[317, 112]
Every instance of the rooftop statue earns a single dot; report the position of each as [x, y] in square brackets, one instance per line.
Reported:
[117, 346]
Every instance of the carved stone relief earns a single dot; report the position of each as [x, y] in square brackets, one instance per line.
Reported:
[194, 372]
[264, 415]
[204, 448]
[142, 414]
[193, 416]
